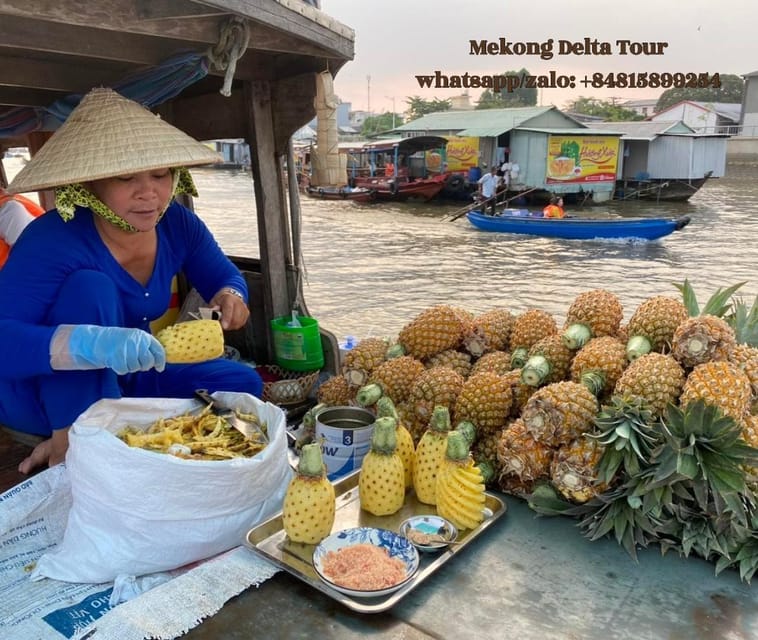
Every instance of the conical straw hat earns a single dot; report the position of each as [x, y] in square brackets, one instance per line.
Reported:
[108, 135]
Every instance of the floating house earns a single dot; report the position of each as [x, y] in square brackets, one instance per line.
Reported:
[555, 153]
[664, 160]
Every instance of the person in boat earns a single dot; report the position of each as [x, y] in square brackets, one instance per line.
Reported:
[487, 190]
[389, 168]
[554, 209]
[85, 280]
[15, 213]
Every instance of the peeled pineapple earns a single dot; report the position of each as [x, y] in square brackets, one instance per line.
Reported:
[385, 408]
[192, 341]
[381, 484]
[460, 486]
[309, 503]
[430, 452]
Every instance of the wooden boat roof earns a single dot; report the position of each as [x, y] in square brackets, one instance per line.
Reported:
[50, 49]
[404, 145]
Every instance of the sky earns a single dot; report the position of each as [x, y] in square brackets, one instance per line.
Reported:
[396, 40]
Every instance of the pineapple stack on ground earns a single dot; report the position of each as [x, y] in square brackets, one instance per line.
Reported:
[549, 361]
[362, 359]
[309, 502]
[434, 330]
[592, 314]
[460, 485]
[192, 341]
[430, 453]
[652, 326]
[381, 483]
[485, 400]
[528, 328]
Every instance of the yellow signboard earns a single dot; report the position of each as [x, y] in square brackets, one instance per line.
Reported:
[462, 153]
[582, 159]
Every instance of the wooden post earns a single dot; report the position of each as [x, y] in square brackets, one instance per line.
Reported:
[273, 232]
[35, 140]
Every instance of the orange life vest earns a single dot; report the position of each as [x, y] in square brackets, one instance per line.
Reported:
[31, 206]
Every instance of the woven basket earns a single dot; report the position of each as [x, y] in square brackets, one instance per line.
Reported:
[293, 386]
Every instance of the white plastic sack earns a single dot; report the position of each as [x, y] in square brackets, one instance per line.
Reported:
[137, 512]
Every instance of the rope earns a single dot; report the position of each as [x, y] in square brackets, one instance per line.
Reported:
[232, 44]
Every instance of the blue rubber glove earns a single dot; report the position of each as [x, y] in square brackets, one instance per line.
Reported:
[88, 346]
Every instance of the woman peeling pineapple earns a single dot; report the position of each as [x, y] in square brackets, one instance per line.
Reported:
[84, 281]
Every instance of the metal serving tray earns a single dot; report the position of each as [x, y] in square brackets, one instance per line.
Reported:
[270, 541]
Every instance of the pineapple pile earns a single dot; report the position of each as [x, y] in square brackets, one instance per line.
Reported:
[644, 429]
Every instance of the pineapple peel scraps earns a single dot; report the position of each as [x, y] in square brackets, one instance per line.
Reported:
[199, 436]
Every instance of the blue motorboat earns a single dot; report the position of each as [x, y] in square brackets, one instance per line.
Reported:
[523, 222]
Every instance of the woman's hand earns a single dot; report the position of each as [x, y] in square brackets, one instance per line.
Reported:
[48, 452]
[233, 308]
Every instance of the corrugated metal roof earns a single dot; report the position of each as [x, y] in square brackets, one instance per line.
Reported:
[570, 132]
[642, 129]
[482, 122]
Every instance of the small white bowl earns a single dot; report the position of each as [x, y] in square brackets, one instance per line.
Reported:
[430, 525]
[397, 546]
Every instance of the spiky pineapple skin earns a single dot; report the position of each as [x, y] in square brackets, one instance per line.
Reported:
[434, 387]
[599, 309]
[396, 377]
[606, 354]
[362, 359]
[701, 339]
[336, 392]
[720, 384]
[491, 331]
[460, 493]
[308, 509]
[192, 341]
[557, 354]
[430, 452]
[531, 326]
[560, 412]
[484, 399]
[656, 319]
[434, 330]
[381, 483]
[520, 454]
[572, 470]
[458, 361]
[495, 361]
[655, 378]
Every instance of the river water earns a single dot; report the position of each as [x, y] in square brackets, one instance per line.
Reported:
[371, 268]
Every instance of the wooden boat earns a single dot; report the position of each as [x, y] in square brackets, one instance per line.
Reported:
[578, 228]
[402, 188]
[356, 194]
[659, 190]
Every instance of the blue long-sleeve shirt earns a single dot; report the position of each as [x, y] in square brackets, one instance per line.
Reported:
[50, 249]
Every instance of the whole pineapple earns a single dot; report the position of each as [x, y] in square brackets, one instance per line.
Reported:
[521, 392]
[528, 328]
[362, 359]
[592, 314]
[381, 483]
[430, 452]
[720, 384]
[309, 502]
[458, 361]
[385, 408]
[599, 364]
[432, 331]
[746, 358]
[485, 399]
[460, 485]
[495, 361]
[335, 392]
[549, 361]
[492, 330]
[652, 326]
[560, 412]
[655, 378]
[701, 339]
[520, 455]
[572, 470]
[394, 379]
[436, 386]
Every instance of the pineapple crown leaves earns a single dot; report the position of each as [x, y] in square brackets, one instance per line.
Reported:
[744, 321]
[717, 305]
[628, 436]
[746, 559]
[702, 445]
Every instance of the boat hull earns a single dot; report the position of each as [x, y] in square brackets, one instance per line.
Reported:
[580, 228]
[341, 193]
[659, 190]
[422, 188]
